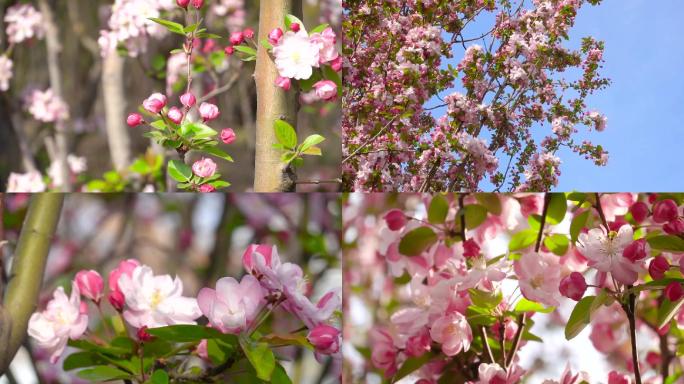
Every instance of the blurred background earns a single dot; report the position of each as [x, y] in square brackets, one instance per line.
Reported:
[200, 238]
[101, 91]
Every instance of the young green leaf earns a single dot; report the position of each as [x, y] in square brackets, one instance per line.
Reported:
[438, 209]
[522, 239]
[558, 205]
[218, 153]
[102, 373]
[475, 215]
[525, 306]
[557, 243]
[245, 49]
[179, 171]
[310, 142]
[285, 134]
[159, 377]
[578, 222]
[669, 243]
[579, 318]
[416, 241]
[260, 356]
[170, 25]
[490, 201]
[319, 28]
[411, 365]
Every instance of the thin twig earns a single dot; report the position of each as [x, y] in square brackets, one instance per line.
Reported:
[487, 348]
[380, 132]
[600, 212]
[547, 200]
[516, 340]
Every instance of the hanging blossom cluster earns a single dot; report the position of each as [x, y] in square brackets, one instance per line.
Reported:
[147, 301]
[460, 302]
[23, 23]
[46, 107]
[508, 84]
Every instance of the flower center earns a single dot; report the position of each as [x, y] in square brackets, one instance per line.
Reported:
[156, 299]
[537, 281]
[296, 57]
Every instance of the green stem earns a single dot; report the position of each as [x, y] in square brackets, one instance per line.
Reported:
[27, 272]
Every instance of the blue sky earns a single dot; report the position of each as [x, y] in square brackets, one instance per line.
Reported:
[644, 58]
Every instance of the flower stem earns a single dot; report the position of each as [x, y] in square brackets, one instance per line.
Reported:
[547, 200]
[485, 342]
[630, 310]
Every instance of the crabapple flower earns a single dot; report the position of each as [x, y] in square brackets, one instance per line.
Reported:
[125, 267]
[296, 56]
[47, 107]
[605, 252]
[62, 319]
[395, 219]
[494, 374]
[90, 284]
[205, 167]
[232, 307]
[326, 90]
[134, 119]
[659, 265]
[283, 82]
[275, 35]
[208, 111]
[674, 227]
[573, 286]
[24, 22]
[539, 275]
[336, 64]
[326, 45]
[156, 301]
[227, 135]
[175, 115]
[188, 99]
[155, 103]
[665, 210]
[237, 38]
[383, 351]
[453, 332]
[325, 338]
[29, 182]
[265, 251]
[6, 74]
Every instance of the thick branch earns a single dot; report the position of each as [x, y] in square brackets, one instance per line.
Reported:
[115, 110]
[27, 272]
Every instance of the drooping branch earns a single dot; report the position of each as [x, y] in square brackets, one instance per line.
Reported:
[27, 272]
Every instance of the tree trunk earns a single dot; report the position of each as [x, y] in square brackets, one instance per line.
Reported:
[115, 110]
[270, 174]
[27, 272]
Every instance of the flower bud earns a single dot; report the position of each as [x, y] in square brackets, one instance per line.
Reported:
[90, 284]
[183, 3]
[125, 267]
[283, 82]
[204, 167]
[117, 300]
[197, 3]
[248, 257]
[248, 33]
[175, 115]
[674, 291]
[227, 135]
[275, 35]
[395, 219]
[470, 249]
[326, 90]
[295, 27]
[143, 335]
[208, 111]
[188, 99]
[236, 38]
[573, 286]
[229, 50]
[155, 103]
[665, 210]
[134, 119]
[637, 250]
[418, 344]
[639, 211]
[207, 188]
[659, 265]
[674, 227]
[325, 338]
[618, 378]
[336, 64]
[653, 359]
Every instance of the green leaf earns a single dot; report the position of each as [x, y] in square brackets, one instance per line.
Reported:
[170, 25]
[140, 166]
[411, 365]
[667, 311]
[557, 243]
[183, 333]
[196, 130]
[525, 306]
[558, 205]
[487, 300]
[490, 201]
[204, 35]
[288, 157]
[319, 28]
[602, 298]
[218, 153]
[579, 318]
[218, 184]
[475, 215]
[313, 151]
[245, 49]
[310, 142]
[669, 243]
[266, 44]
[191, 28]
[261, 357]
[291, 19]
[159, 377]
[522, 239]
[416, 241]
[578, 222]
[438, 209]
[285, 134]
[81, 360]
[179, 171]
[103, 373]
[280, 376]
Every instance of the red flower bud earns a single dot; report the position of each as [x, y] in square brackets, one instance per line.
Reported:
[229, 50]
[183, 3]
[188, 99]
[143, 335]
[470, 249]
[659, 265]
[117, 300]
[175, 115]
[227, 135]
[134, 119]
[197, 3]
[283, 82]
[248, 33]
[639, 211]
[674, 291]
[636, 251]
[573, 286]
[665, 210]
[236, 38]
[336, 64]
[275, 35]
[206, 188]
[395, 219]
[674, 227]
[295, 27]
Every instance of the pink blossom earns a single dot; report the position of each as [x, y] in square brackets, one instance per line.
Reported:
[197, 3]
[336, 64]
[539, 276]
[134, 119]
[618, 378]
[6, 74]
[90, 284]
[266, 252]
[383, 351]
[296, 56]
[229, 50]
[283, 82]
[47, 107]
[326, 90]
[183, 3]
[155, 103]
[604, 252]
[29, 182]
[125, 267]
[232, 307]
[208, 111]
[637, 250]
[573, 286]
[249, 33]
[175, 115]
[62, 319]
[188, 99]
[227, 135]
[326, 45]
[24, 22]
[204, 167]
[453, 332]
[117, 300]
[207, 188]
[325, 338]
[494, 374]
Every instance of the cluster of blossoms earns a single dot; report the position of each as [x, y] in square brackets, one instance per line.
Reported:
[47, 107]
[33, 181]
[24, 23]
[395, 58]
[457, 262]
[147, 301]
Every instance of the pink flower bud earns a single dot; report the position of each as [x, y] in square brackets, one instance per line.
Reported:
[204, 167]
[208, 111]
[236, 38]
[183, 3]
[125, 267]
[229, 50]
[637, 250]
[188, 99]
[639, 211]
[573, 286]
[395, 219]
[283, 82]
[418, 344]
[325, 338]
[674, 227]
[674, 291]
[618, 378]
[175, 115]
[90, 284]
[155, 103]
[227, 135]
[659, 265]
[207, 188]
[197, 3]
[248, 33]
[275, 35]
[665, 210]
[134, 119]
[117, 300]
[143, 335]
[470, 249]
[326, 90]
[653, 359]
[295, 27]
[336, 64]
[248, 257]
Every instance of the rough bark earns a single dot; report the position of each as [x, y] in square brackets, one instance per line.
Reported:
[270, 174]
[115, 109]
